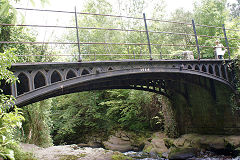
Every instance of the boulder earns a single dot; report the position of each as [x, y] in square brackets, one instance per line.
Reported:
[212, 142]
[182, 153]
[119, 142]
[90, 144]
[156, 145]
[233, 141]
[208, 142]
[195, 142]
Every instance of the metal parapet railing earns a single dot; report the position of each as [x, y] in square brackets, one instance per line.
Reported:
[144, 19]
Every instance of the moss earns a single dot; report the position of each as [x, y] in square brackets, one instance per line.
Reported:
[19, 154]
[159, 154]
[169, 142]
[148, 149]
[71, 157]
[82, 155]
[237, 151]
[170, 124]
[25, 156]
[120, 156]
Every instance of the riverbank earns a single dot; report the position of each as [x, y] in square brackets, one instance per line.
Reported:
[68, 152]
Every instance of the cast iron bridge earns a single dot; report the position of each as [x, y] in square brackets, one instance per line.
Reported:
[40, 81]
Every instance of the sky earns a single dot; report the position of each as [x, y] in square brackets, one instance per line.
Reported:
[47, 34]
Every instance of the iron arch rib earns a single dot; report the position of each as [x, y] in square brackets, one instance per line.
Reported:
[141, 75]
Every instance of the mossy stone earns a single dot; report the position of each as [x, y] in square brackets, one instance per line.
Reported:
[169, 142]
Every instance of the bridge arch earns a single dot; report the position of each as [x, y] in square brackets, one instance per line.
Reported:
[217, 71]
[103, 81]
[153, 76]
[24, 83]
[223, 73]
[210, 69]
[204, 69]
[55, 76]
[196, 67]
[190, 67]
[71, 73]
[40, 79]
[85, 71]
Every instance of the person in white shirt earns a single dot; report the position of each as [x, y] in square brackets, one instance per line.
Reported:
[219, 50]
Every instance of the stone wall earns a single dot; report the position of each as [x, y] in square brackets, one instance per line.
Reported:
[205, 109]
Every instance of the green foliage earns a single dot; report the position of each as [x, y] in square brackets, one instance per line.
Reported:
[7, 8]
[7, 58]
[9, 121]
[16, 33]
[130, 109]
[37, 121]
[235, 9]
[19, 154]
[235, 98]
[77, 114]
[38, 124]
[100, 112]
[211, 13]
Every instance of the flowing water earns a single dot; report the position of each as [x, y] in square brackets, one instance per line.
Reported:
[142, 156]
[202, 156]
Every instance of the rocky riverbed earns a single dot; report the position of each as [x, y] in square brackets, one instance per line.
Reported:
[158, 146]
[73, 152]
[68, 152]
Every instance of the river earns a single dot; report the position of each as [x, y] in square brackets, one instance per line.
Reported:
[202, 156]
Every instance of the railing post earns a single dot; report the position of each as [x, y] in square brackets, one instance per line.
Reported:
[160, 53]
[79, 53]
[195, 34]
[149, 45]
[226, 40]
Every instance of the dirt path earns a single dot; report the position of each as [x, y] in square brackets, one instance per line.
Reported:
[67, 152]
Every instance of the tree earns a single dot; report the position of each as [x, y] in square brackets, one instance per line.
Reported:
[9, 121]
[15, 34]
[235, 9]
[12, 33]
[98, 113]
[234, 24]
[210, 13]
[7, 8]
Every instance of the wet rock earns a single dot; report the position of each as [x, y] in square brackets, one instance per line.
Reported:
[209, 142]
[183, 153]
[233, 141]
[216, 143]
[119, 142]
[90, 144]
[156, 145]
[69, 151]
[29, 147]
[212, 142]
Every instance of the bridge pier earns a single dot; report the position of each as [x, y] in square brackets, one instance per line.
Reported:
[202, 110]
